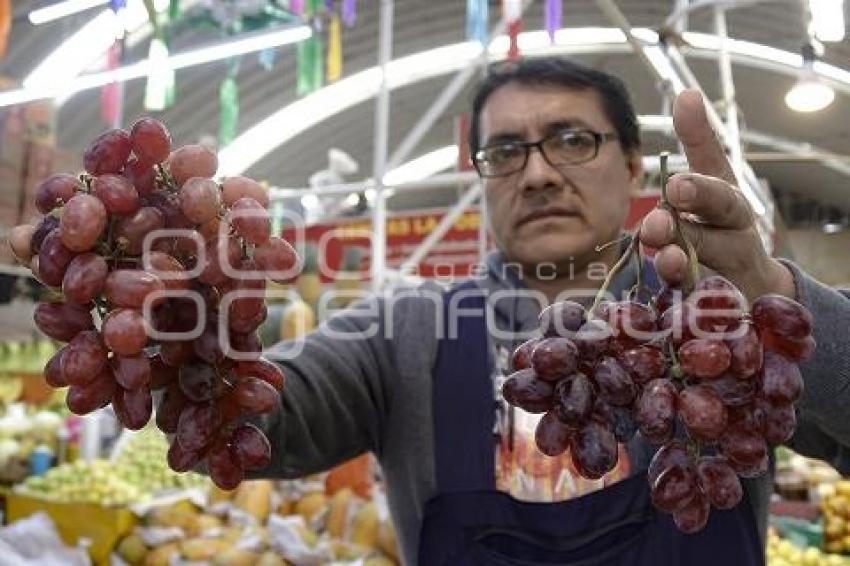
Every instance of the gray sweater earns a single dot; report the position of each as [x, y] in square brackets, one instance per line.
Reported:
[363, 381]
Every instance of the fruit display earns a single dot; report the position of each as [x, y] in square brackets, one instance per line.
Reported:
[782, 552]
[141, 461]
[264, 523]
[835, 507]
[91, 481]
[162, 272]
[695, 359]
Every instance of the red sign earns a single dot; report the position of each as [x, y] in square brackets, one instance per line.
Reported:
[454, 255]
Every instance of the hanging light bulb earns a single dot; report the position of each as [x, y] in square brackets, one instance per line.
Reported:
[809, 94]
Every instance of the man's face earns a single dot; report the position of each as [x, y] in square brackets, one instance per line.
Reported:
[573, 208]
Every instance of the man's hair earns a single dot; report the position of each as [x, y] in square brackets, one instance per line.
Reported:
[558, 71]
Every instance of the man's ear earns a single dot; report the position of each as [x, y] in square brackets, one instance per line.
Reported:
[634, 163]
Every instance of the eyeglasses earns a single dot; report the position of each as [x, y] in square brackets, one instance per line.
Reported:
[564, 147]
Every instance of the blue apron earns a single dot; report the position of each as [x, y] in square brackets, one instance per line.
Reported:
[469, 522]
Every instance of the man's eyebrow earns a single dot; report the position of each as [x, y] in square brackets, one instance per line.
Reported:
[548, 129]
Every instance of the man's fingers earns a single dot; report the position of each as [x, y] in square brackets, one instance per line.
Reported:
[702, 148]
[671, 264]
[712, 200]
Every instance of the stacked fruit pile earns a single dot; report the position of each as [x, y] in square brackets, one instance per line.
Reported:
[141, 462]
[92, 481]
[781, 552]
[173, 265]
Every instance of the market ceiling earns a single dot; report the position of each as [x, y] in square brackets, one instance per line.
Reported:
[425, 24]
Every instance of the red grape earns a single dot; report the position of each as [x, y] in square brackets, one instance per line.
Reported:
[108, 153]
[747, 354]
[170, 271]
[524, 390]
[161, 374]
[552, 436]
[719, 482]
[795, 350]
[207, 345]
[181, 460]
[84, 359]
[593, 339]
[83, 399]
[255, 395]
[84, 278]
[720, 303]
[62, 321]
[671, 454]
[655, 411]
[200, 199]
[248, 346]
[132, 372]
[141, 175]
[169, 408]
[235, 188]
[251, 447]
[192, 161]
[42, 229]
[693, 516]
[782, 317]
[742, 446]
[704, 358]
[521, 358]
[118, 195]
[780, 421]
[561, 319]
[679, 323]
[594, 450]
[674, 488]
[554, 358]
[574, 400]
[53, 260]
[251, 221]
[130, 287]
[223, 467]
[277, 258]
[217, 251]
[781, 379]
[633, 323]
[733, 391]
[200, 382]
[150, 140]
[643, 363]
[168, 204]
[125, 332]
[53, 369]
[83, 221]
[197, 425]
[263, 369]
[133, 229]
[176, 353]
[702, 412]
[666, 297]
[133, 407]
[55, 191]
[613, 383]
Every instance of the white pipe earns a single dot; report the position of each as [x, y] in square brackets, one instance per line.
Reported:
[724, 63]
[440, 229]
[382, 121]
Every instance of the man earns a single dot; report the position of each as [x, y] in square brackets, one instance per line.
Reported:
[411, 376]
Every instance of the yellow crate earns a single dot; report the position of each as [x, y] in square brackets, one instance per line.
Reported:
[103, 526]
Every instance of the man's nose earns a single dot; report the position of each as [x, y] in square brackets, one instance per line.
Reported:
[539, 174]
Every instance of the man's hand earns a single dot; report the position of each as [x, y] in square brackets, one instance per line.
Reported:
[720, 223]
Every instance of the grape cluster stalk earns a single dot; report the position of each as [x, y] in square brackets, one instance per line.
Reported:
[695, 372]
[162, 271]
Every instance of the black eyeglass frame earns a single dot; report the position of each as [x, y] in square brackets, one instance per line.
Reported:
[598, 137]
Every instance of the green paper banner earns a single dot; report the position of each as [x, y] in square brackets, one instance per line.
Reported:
[228, 100]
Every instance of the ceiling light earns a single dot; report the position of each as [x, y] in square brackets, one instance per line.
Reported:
[310, 202]
[62, 9]
[827, 23]
[809, 93]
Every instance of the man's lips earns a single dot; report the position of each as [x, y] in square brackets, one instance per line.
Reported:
[549, 212]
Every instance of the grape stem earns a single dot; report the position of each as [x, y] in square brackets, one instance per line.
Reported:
[633, 247]
[693, 261]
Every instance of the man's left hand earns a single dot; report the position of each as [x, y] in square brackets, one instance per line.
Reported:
[719, 223]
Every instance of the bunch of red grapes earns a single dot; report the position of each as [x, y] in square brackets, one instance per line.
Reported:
[709, 381]
[162, 272]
